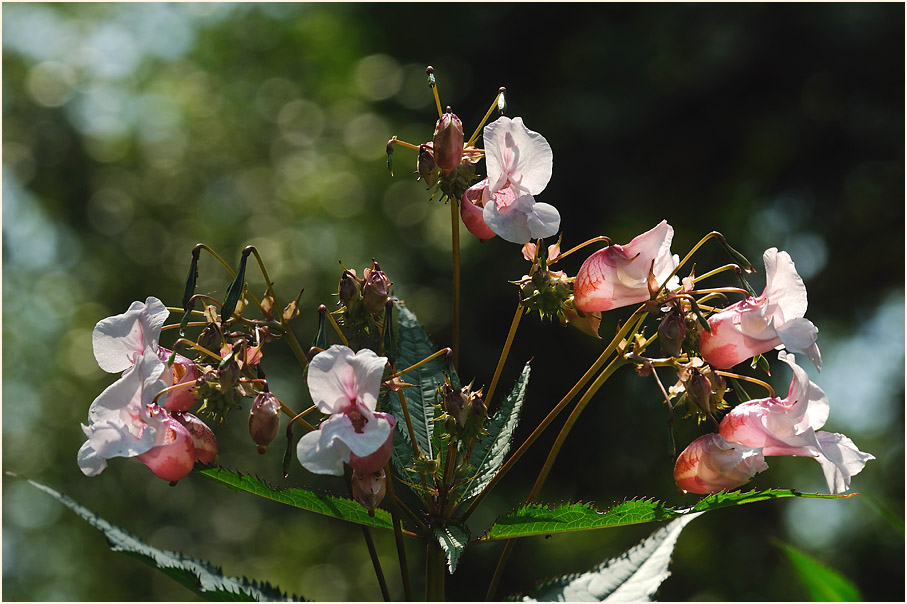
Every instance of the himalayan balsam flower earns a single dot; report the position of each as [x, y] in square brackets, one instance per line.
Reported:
[519, 163]
[756, 325]
[119, 340]
[766, 427]
[711, 464]
[790, 426]
[124, 422]
[345, 386]
[617, 275]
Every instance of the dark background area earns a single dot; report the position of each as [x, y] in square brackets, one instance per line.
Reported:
[133, 131]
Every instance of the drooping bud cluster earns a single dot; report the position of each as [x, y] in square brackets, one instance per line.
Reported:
[464, 411]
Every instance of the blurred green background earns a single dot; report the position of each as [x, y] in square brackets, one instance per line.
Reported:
[133, 131]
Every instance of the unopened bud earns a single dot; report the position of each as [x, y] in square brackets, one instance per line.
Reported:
[264, 420]
[447, 142]
[369, 489]
[374, 292]
[699, 390]
[349, 288]
[671, 333]
[454, 403]
[425, 164]
[228, 372]
[477, 405]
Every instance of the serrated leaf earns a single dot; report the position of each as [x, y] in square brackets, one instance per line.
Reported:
[539, 519]
[413, 345]
[320, 503]
[453, 539]
[821, 583]
[490, 450]
[634, 576]
[203, 578]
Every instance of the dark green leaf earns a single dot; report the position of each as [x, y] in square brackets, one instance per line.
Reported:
[414, 345]
[490, 450]
[199, 576]
[320, 503]
[634, 576]
[822, 583]
[453, 539]
[540, 519]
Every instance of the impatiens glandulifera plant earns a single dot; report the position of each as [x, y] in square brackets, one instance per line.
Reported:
[390, 412]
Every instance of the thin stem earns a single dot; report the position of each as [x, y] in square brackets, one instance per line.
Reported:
[198, 347]
[579, 247]
[504, 352]
[223, 263]
[180, 310]
[171, 389]
[337, 329]
[455, 253]
[411, 515]
[397, 141]
[727, 267]
[475, 135]
[177, 325]
[376, 563]
[398, 535]
[556, 411]
[409, 424]
[766, 385]
[720, 290]
[427, 359]
[499, 570]
[448, 474]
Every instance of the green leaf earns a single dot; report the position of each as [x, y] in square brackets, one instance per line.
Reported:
[490, 450]
[413, 345]
[320, 503]
[822, 583]
[634, 576]
[539, 519]
[203, 578]
[453, 539]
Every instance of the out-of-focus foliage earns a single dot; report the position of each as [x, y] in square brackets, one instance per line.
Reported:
[133, 131]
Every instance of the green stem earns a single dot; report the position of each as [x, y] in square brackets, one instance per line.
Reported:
[455, 253]
[376, 563]
[475, 135]
[504, 352]
[398, 535]
[434, 572]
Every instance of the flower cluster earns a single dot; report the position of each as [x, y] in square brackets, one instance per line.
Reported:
[144, 414]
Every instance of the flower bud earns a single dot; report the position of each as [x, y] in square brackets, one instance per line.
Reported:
[264, 420]
[374, 292]
[477, 406]
[425, 164]
[671, 332]
[447, 142]
[454, 403]
[349, 289]
[369, 489]
[699, 390]
[174, 458]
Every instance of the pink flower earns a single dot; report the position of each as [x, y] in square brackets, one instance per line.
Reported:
[125, 422]
[117, 342]
[756, 325]
[618, 274]
[345, 385]
[519, 163]
[711, 464]
[790, 426]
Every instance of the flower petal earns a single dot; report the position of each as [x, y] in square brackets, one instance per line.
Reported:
[510, 222]
[320, 453]
[784, 288]
[338, 378]
[800, 335]
[119, 339]
[840, 459]
[516, 154]
[471, 211]
[543, 220]
[711, 464]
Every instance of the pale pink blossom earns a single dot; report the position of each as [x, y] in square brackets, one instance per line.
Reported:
[617, 275]
[344, 385]
[124, 421]
[519, 164]
[790, 426]
[757, 325]
[711, 464]
[118, 340]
